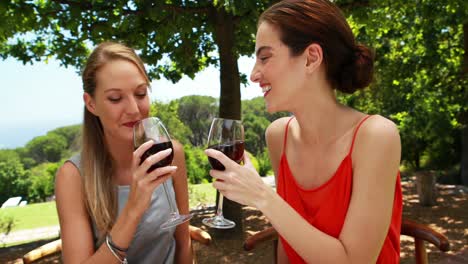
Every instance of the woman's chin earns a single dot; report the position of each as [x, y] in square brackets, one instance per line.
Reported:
[271, 108]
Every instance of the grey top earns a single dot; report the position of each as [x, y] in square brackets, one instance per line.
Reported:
[150, 243]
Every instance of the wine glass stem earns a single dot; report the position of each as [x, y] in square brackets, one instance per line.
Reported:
[219, 211]
[169, 200]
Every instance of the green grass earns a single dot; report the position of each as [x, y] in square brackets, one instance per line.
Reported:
[31, 216]
[201, 194]
[45, 214]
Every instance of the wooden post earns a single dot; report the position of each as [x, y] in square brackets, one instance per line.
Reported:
[426, 187]
[420, 251]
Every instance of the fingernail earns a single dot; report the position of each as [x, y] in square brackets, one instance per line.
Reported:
[173, 167]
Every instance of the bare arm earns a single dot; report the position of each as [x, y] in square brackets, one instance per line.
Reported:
[75, 225]
[182, 234]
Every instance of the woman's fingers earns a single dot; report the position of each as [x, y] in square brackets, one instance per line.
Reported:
[138, 153]
[154, 178]
[247, 161]
[218, 155]
[160, 172]
[151, 160]
[221, 175]
[220, 185]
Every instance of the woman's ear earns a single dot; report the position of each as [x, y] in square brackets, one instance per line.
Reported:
[314, 54]
[89, 103]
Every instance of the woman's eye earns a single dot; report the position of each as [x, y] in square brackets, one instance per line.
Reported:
[141, 95]
[263, 59]
[114, 99]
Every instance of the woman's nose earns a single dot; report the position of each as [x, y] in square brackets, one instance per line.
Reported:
[132, 106]
[255, 75]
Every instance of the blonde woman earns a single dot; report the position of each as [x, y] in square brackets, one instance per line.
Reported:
[110, 209]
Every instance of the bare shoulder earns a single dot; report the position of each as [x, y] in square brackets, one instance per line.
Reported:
[379, 128]
[67, 175]
[69, 193]
[274, 133]
[378, 139]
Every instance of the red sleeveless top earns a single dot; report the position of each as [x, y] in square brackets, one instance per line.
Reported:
[326, 206]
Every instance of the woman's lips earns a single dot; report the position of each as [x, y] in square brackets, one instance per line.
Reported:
[130, 124]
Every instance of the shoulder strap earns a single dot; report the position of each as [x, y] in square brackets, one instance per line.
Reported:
[286, 132]
[355, 133]
[76, 160]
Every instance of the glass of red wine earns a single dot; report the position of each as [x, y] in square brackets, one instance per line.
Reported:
[152, 128]
[227, 136]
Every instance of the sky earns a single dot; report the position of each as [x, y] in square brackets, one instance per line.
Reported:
[37, 98]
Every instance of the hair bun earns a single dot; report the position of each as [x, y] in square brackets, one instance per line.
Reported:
[358, 72]
[364, 67]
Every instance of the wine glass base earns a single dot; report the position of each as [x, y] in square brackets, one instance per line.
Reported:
[176, 219]
[219, 222]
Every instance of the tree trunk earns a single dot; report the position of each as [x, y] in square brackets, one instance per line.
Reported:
[230, 98]
[464, 153]
[464, 116]
[426, 187]
[229, 105]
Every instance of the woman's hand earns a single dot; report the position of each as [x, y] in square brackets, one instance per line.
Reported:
[239, 183]
[144, 183]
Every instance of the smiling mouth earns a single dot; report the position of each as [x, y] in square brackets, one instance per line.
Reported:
[266, 90]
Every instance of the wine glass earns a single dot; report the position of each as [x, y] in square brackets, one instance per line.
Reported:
[227, 136]
[152, 128]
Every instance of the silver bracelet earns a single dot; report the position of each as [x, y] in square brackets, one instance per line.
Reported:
[117, 256]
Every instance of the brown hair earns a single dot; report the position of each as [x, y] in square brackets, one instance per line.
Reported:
[96, 161]
[349, 66]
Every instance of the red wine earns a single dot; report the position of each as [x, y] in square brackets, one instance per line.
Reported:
[155, 149]
[234, 150]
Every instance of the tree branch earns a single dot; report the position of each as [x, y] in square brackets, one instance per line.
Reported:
[186, 9]
[354, 4]
[81, 4]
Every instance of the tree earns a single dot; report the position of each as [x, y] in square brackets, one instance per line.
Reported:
[174, 38]
[7, 154]
[255, 133]
[167, 113]
[197, 112]
[419, 81]
[48, 148]
[42, 178]
[72, 135]
[197, 165]
[464, 113]
[13, 179]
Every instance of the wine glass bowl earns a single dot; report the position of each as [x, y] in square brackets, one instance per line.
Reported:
[227, 136]
[233, 150]
[152, 128]
[155, 149]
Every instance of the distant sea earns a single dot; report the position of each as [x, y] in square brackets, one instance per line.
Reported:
[14, 136]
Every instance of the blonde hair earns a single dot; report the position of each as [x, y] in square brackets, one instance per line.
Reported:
[100, 194]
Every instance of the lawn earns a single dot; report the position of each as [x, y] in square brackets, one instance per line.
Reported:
[30, 216]
[201, 194]
[45, 214]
